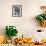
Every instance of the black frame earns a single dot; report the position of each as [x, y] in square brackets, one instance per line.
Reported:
[16, 10]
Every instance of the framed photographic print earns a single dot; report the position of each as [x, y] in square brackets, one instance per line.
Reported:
[16, 10]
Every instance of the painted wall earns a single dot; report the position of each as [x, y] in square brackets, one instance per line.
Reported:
[26, 24]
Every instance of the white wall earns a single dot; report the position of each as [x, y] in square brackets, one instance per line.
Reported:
[25, 24]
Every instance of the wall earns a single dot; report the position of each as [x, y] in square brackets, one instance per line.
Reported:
[26, 24]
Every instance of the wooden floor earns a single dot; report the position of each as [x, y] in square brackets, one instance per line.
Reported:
[30, 45]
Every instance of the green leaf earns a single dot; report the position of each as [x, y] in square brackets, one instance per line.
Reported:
[10, 31]
[45, 16]
[40, 18]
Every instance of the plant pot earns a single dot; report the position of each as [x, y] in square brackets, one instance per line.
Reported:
[43, 23]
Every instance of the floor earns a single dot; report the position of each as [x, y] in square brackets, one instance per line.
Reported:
[30, 45]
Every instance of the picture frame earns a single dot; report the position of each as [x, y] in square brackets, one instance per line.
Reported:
[16, 10]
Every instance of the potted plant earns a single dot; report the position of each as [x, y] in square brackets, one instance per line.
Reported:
[42, 17]
[10, 31]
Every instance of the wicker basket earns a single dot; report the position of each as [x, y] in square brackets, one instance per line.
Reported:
[43, 23]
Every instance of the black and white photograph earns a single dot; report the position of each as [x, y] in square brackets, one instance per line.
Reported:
[16, 10]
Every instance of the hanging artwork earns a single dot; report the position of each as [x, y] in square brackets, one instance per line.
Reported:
[16, 10]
